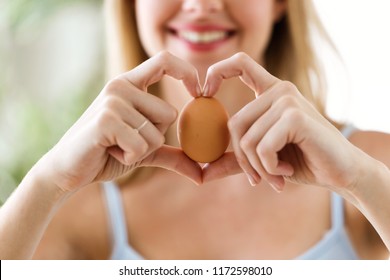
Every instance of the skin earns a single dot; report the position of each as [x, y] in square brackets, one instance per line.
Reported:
[275, 146]
[251, 22]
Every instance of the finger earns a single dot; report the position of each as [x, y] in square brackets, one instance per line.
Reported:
[150, 133]
[239, 65]
[240, 123]
[160, 113]
[258, 130]
[249, 144]
[141, 126]
[226, 165]
[174, 159]
[147, 107]
[236, 133]
[128, 101]
[258, 107]
[164, 63]
[285, 131]
[137, 137]
[121, 140]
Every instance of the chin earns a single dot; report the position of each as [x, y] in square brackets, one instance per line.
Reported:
[202, 61]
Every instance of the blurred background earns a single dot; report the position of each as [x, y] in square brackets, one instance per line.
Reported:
[52, 67]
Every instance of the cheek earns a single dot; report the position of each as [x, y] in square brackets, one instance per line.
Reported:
[257, 12]
[146, 27]
[151, 19]
[256, 25]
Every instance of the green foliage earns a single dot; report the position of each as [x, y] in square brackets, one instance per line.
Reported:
[20, 13]
[29, 124]
[41, 127]
[38, 128]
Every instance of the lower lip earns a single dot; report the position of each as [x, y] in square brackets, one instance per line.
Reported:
[203, 47]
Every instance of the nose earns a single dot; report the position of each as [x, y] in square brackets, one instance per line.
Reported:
[202, 6]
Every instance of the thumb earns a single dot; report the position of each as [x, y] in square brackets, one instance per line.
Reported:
[174, 159]
[224, 166]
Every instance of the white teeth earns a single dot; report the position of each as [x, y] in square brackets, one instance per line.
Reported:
[202, 37]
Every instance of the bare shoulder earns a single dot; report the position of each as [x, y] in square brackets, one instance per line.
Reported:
[366, 240]
[79, 224]
[376, 144]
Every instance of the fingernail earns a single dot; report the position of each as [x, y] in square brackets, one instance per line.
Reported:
[206, 90]
[252, 180]
[276, 188]
[198, 90]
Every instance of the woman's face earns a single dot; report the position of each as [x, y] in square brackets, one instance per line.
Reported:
[206, 31]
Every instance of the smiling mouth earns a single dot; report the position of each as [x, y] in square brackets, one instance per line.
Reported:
[202, 37]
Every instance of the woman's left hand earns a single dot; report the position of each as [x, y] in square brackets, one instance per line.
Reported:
[280, 135]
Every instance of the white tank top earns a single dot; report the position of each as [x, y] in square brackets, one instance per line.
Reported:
[335, 244]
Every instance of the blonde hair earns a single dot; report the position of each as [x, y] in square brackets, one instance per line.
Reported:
[290, 54]
[124, 49]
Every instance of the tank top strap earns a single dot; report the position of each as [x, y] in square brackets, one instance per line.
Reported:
[115, 213]
[337, 211]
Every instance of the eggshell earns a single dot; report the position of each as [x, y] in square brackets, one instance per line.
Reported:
[202, 129]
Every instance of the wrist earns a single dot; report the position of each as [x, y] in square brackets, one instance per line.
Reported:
[39, 181]
[27, 213]
[372, 181]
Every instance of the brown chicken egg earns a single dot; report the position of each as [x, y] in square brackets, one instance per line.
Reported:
[202, 129]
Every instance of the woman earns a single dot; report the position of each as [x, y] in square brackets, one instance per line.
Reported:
[280, 140]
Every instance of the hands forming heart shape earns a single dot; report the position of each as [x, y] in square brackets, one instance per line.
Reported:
[275, 137]
[172, 158]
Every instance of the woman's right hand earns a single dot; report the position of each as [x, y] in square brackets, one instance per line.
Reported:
[105, 143]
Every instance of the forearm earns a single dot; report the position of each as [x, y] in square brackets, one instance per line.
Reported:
[372, 197]
[25, 216]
